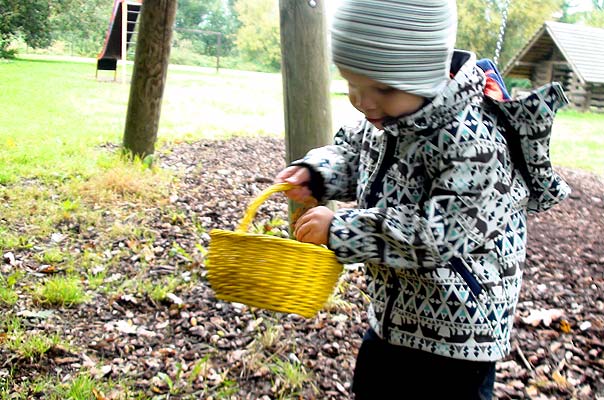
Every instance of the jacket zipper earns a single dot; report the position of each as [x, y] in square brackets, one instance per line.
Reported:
[467, 276]
[392, 281]
[387, 161]
[392, 294]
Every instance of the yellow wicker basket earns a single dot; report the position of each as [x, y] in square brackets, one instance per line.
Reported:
[269, 272]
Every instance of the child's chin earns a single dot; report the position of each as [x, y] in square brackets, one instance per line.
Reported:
[377, 123]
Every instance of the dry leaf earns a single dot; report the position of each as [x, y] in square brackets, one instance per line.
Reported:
[98, 395]
[546, 316]
[560, 380]
[565, 326]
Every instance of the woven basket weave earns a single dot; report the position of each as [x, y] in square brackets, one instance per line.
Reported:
[269, 272]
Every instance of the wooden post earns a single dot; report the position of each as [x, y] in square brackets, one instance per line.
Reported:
[305, 72]
[218, 50]
[149, 76]
[588, 95]
[218, 41]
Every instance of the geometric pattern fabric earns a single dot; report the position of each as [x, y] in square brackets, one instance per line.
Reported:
[432, 187]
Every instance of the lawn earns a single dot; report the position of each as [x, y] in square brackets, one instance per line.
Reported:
[578, 141]
[55, 114]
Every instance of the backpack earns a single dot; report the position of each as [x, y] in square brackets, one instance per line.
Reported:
[527, 121]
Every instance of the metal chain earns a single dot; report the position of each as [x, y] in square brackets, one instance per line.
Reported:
[504, 19]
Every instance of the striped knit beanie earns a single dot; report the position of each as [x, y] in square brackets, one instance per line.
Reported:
[404, 44]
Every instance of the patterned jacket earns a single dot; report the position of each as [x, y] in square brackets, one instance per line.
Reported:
[440, 221]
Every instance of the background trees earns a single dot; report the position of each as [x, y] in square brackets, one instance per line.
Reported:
[27, 19]
[80, 24]
[250, 28]
[479, 22]
[593, 17]
[207, 15]
[258, 36]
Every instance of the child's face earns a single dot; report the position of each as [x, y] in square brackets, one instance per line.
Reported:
[377, 100]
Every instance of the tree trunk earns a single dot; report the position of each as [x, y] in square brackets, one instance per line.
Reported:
[306, 82]
[149, 76]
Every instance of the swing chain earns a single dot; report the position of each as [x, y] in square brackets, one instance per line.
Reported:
[504, 18]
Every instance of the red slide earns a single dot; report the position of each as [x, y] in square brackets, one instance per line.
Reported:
[112, 48]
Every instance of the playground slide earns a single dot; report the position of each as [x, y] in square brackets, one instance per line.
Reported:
[112, 48]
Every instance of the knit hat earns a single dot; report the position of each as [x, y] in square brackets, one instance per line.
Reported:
[404, 44]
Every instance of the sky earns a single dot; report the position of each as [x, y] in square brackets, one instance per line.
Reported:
[583, 5]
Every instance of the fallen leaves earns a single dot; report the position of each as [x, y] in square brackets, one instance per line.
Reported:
[544, 317]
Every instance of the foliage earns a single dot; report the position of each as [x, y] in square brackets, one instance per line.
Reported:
[479, 22]
[290, 377]
[81, 23]
[258, 38]
[593, 18]
[207, 15]
[25, 18]
[8, 296]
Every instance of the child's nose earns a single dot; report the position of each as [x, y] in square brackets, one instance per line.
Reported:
[363, 101]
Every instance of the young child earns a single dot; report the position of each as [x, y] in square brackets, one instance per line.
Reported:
[440, 221]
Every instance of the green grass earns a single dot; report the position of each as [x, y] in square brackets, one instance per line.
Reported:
[61, 291]
[29, 345]
[578, 141]
[55, 115]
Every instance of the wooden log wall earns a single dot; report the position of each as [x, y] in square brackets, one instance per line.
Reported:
[583, 97]
[575, 91]
[596, 98]
[542, 74]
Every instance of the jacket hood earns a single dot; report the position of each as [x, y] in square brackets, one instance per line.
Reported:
[466, 86]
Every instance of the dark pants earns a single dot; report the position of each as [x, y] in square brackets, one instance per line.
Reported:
[384, 371]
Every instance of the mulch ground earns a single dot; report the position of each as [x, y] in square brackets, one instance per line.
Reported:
[245, 353]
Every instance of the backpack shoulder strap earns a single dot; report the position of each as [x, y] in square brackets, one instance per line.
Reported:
[527, 123]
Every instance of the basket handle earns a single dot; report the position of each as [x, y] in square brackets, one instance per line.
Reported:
[262, 197]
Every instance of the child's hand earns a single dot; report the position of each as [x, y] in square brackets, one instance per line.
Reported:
[299, 176]
[313, 225]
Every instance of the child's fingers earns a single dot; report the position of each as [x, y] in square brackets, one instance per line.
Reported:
[301, 194]
[301, 176]
[313, 226]
[295, 175]
[303, 231]
[288, 175]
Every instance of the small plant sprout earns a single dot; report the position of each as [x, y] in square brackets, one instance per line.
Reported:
[290, 377]
[29, 345]
[159, 291]
[8, 295]
[269, 338]
[51, 256]
[61, 291]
